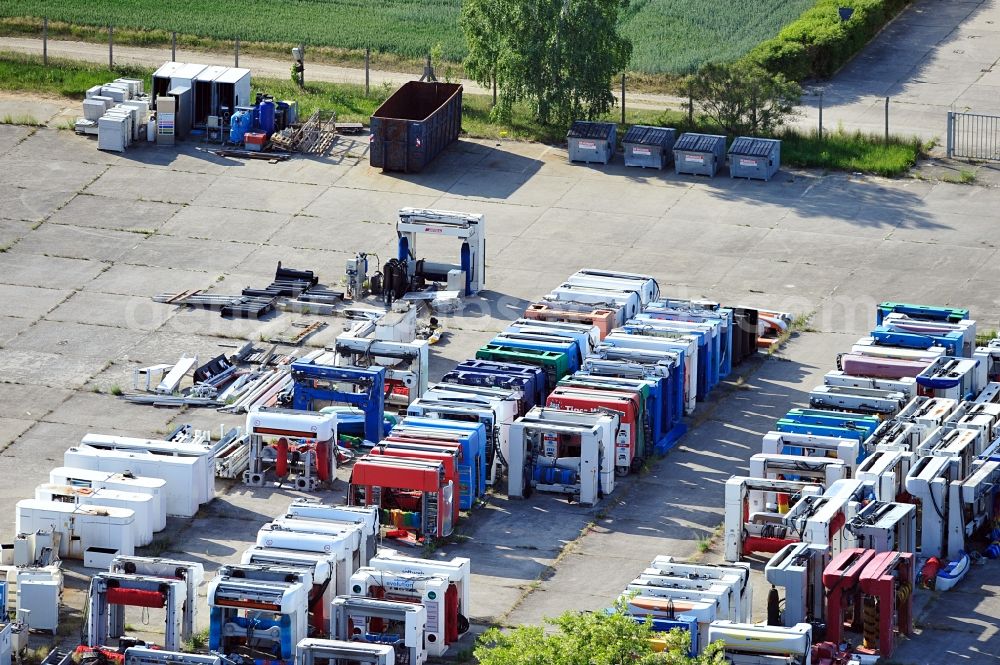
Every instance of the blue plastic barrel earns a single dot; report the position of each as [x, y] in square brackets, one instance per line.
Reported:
[239, 124]
[267, 116]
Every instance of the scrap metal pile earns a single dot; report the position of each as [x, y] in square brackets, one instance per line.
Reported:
[886, 483]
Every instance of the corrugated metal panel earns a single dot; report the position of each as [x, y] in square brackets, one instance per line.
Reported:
[701, 143]
[581, 129]
[646, 135]
[748, 145]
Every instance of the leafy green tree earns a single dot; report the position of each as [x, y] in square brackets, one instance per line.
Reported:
[589, 638]
[744, 98]
[558, 55]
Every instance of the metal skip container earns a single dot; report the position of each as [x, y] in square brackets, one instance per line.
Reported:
[754, 158]
[592, 142]
[699, 154]
[414, 125]
[649, 147]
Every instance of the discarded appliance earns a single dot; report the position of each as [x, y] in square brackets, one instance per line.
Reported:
[630, 445]
[972, 505]
[414, 125]
[592, 142]
[645, 285]
[743, 591]
[406, 363]
[111, 592]
[39, 597]
[468, 276]
[798, 569]
[861, 400]
[304, 448]
[748, 643]
[366, 518]
[401, 625]
[757, 158]
[82, 527]
[417, 490]
[928, 483]
[649, 147]
[141, 504]
[849, 451]
[952, 378]
[365, 390]
[321, 567]
[564, 452]
[274, 614]
[751, 525]
[600, 317]
[886, 584]
[885, 527]
[193, 574]
[314, 651]
[123, 482]
[699, 154]
[180, 473]
[887, 469]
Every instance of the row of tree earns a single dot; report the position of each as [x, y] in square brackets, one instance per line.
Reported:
[560, 56]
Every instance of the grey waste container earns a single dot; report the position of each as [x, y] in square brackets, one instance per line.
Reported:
[592, 142]
[649, 147]
[751, 157]
[699, 154]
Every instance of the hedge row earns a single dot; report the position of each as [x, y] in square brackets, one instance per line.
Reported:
[818, 43]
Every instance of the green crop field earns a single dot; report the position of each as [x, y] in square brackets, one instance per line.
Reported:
[670, 36]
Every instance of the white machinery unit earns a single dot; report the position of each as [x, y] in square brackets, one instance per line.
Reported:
[887, 470]
[965, 444]
[141, 504]
[318, 620]
[433, 592]
[743, 591]
[81, 527]
[824, 470]
[364, 516]
[122, 482]
[667, 602]
[193, 574]
[720, 591]
[798, 569]
[6, 649]
[689, 344]
[971, 505]
[533, 326]
[885, 527]
[752, 644]
[305, 444]
[749, 524]
[458, 572]
[470, 277]
[39, 596]
[321, 567]
[336, 652]
[952, 378]
[339, 547]
[928, 412]
[966, 329]
[895, 434]
[406, 363]
[820, 520]
[906, 385]
[808, 445]
[860, 400]
[204, 457]
[180, 473]
[984, 417]
[146, 656]
[626, 304]
[867, 346]
[273, 613]
[566, 452]
[497, 432]
[645, 285]
[403, 625]
[351, 532]
[928, 483]
[110, 593]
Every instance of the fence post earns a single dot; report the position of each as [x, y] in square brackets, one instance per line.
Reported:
[949, 135]
[111, 47]
[368, 62]
[623, 98]
[690, 107]
[237, 64]
[173, 47]
[821, 116]
[45, 41]
[887, 120]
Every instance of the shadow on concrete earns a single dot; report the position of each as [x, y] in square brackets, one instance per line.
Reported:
[862, 202]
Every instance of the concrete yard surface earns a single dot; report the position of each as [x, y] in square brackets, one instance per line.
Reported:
[88, 237]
